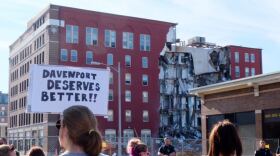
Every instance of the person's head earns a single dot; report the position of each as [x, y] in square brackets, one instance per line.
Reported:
[131, 144]
[79, 128]
[3, 141]
[224, 140]
[167, 141]
[36, 151]
[262, 144]
[140, 150]
[7, 150]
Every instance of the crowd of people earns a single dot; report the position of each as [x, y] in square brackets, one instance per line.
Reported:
[79, 136]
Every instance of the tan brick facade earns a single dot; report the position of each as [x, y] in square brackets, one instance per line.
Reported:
[244, 95]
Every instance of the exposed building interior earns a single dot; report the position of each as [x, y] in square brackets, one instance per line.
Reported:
[183, 67]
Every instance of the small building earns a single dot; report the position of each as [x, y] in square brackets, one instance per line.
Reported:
[251, 103]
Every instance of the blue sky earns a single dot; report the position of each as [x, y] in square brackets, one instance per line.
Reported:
[250, 23]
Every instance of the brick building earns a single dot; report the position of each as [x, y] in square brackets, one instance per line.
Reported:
[61, 35]
[251, 103]
[245, 61]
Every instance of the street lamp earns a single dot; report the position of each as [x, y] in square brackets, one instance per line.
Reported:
[119, 102]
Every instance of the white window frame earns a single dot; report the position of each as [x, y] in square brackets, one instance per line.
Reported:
[63, 53]
[111, 35]
[127, 60]
[246, 57]
[237, 71]
[111, 95]
[91, 36]
[110, 59]
[111, 79]
[110, 115]
[127, 96]
[127, 40]
[74, 54]
[247, 71]
[146, 136]
[145, 42]
[253, 58]
[72, 33]
[145, 80]
[87, 57]
[127, 134]
[143, 62]
[127, 78]
[145, 116]
[253, 71]
[145, 96]
[128, 116]
[236, 57]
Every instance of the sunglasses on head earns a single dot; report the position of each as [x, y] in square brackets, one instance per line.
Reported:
[58, 124]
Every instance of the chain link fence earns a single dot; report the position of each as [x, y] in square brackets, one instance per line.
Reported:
[187, 147]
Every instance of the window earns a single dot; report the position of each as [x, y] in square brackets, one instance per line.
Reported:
[144, 62]
[145, 96]
[247, 72]
[74, 55]
[127, 78]
[127, 40]
[110, 135]
[111, 95]
[253, 71]
[146, 136]
[253, 58]
[111, 80]
[145, 116]
[63, 55]
[89, 57]
[128, 115]
[127, 96]
[110, 115]
[72, 34]
[145, 42]
[127, 134]
[91, 36]
[236, 57]
[145, 80]
[127, 60]
[110, 38]
[237, 71]
[110, 60]
[246, 57]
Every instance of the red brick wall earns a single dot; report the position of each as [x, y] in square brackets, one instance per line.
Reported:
[156, 29]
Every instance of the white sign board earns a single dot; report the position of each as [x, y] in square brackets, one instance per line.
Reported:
[55, 88]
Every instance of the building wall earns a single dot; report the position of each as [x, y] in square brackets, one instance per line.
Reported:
[157, 30]
[242, 64]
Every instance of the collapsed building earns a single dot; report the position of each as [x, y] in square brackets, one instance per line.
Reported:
[183, 67]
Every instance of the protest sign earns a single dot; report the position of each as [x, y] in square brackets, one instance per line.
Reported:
[54, 88]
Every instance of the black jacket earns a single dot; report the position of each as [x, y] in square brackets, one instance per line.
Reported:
[263, 152]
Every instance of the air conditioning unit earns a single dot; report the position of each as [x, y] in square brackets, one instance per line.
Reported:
[197, 40]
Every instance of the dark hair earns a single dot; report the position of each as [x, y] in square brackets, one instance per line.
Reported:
[82, 129]
[224, 140]
[138, 149]
[5, 150]
[36, 151]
